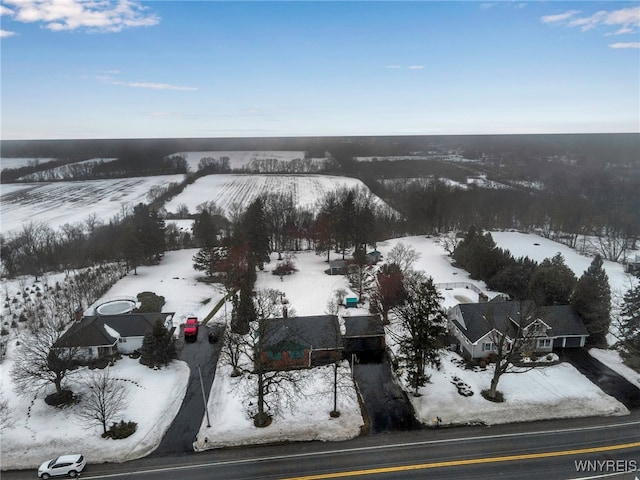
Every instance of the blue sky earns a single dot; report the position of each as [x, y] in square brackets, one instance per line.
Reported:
[126, 69]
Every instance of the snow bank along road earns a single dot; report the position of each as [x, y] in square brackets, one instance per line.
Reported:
[555, 450]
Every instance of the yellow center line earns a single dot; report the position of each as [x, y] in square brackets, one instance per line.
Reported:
[471, 461]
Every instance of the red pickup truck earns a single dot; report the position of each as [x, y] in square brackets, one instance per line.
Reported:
[191, 328]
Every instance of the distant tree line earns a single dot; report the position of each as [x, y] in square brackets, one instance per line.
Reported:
[135, 239]
[565, 211]
[65, 169]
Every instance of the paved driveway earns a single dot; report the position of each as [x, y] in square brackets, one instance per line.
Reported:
[387, 406]
[182, 432]
[609, 381]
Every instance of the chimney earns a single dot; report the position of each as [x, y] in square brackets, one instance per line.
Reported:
[285, 312]
[78, 314]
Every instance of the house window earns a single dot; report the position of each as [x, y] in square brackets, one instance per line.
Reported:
[544, 343]
[122, 340]
[274, 355]
[489, 346]
[296, 354]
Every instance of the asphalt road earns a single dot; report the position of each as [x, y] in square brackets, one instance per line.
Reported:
[539, 450]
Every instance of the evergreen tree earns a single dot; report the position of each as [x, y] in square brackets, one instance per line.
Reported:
[423, 324]
[158, 346]
[146, 234]
[244, 312]
[514, 279]
[630, 321]
[206, 261]
[205, 229]
[133, 250]
[592, 301]
[478, 254]
[255, 233]
[552, 282]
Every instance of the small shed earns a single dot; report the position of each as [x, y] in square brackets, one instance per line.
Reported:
[338, 267]
[351, 302]
[374, 257]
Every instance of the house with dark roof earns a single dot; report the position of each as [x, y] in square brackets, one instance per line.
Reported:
[300, 342]
[476, 326]
[364, 336]
[104, 335]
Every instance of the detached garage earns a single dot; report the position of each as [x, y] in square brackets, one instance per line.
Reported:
[364, 336]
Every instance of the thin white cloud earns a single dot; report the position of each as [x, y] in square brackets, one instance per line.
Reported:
[625, 16]
[92, 15]
[587, 23]
[560, 17]
[415, 67]
[622, 31]
[625, 45]
[626, 20]
[5, 11]
[393, 66]
[521, 5]
[154, 86]
[487, 5]
[6, 33]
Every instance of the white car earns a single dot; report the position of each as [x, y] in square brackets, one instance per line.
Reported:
[70, 465]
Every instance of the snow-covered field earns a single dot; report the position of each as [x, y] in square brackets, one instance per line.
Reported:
[242, 158]
[229, 189]
[538, 248]
[395, 158]
[41, 432]
[175, 280]
[58, 203]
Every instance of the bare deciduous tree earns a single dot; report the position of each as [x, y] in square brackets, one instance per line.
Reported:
[39, 362]
[404, 256]
[6, 413]
[511, 339]
[105, 399]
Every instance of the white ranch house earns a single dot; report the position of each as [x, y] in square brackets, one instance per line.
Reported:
[104, 335]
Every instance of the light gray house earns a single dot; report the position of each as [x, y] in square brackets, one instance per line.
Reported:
[477, 326]
[104, 335]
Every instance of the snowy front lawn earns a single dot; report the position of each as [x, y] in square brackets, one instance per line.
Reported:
[557, 391]
[41, 432]
[305, 420]
[174, 279]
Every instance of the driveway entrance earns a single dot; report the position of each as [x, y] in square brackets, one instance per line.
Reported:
[182, 432]
[386, 404]
[609, 381]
